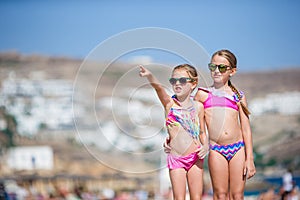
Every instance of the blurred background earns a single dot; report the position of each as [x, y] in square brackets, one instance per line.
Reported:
[76, 120]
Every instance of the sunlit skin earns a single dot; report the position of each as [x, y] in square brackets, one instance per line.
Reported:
[181, 143]
[227, 126]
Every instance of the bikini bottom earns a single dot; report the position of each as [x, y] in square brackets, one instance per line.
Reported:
[229, 150]
[186, 162]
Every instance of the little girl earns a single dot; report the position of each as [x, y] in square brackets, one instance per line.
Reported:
[230, 158]
[185, 125]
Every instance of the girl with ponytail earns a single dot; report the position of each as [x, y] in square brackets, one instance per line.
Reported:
[230, 157]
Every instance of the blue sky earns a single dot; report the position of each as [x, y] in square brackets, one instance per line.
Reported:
[263, 34]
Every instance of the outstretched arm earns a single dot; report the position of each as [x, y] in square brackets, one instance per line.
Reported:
[161, 92]
[249, 168]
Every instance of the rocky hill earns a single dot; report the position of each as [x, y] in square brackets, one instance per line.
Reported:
[258, 84]
[255, 84]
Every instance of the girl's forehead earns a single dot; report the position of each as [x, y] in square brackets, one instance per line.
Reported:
[180, 72]
[219, 60]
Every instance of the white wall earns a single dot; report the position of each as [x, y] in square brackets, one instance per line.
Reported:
[30, 158]
[287, 103]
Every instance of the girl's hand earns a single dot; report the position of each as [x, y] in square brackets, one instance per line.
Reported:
[144, 72]
[202, 151]
[167, 148]
[249, 169]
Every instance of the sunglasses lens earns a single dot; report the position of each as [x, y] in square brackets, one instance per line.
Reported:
[172, 81]
[222, 68]
[212, 67]
[182, 80]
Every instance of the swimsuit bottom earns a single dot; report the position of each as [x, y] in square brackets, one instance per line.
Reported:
[229, 150]
[186, 162]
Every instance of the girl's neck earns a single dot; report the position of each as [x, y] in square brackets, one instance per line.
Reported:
[220, 86]
[184, 101]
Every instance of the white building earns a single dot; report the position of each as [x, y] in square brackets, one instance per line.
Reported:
[287, 103]
[36, 103]
[30, 158]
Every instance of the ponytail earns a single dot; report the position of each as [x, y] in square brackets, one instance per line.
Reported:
[233, 88]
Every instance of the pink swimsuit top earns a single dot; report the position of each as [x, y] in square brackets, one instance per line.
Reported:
[185, 117]
[220, 101]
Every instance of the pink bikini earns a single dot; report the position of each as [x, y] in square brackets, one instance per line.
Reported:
[225, 100]
[186, 162]
[216, 101]
[188, 119]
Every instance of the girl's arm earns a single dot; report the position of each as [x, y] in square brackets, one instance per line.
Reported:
[202, 135]
[249, 168]
[164, 98]
[200, 97]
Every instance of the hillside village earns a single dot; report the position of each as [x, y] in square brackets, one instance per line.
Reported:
[47, 104]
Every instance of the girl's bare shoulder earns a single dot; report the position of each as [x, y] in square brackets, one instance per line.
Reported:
[169, 103]
[201, 94]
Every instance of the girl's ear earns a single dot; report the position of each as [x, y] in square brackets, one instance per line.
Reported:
[194, 86]
[233, 71]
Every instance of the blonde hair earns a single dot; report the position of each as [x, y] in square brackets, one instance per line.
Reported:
[230, 57]
[192, 72]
